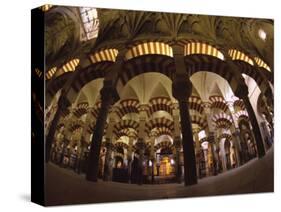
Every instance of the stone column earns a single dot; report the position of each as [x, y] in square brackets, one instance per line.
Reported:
[211, 140]
[83, 143]
[182, 89]
[177, 140]
[107, 162]
[141, 148]
[237, 145]
[211, 135]
[63, 103]
[235, 132]
[81, 151]
[141, 140]
[109, 95]
[197, 151]
[131, 142]
[152, 158]
[177, 144]
[242, 93]
[206, 162]
[109, 146]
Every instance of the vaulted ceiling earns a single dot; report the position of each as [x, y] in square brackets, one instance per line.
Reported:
[122, 27]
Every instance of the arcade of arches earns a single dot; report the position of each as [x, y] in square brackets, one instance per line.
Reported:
[157, 97]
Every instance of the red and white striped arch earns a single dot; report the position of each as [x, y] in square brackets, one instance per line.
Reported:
[160, 103]
[127, 106]
[218, 102]
[222, 120]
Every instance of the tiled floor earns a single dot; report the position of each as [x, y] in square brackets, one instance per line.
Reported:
[65, 187]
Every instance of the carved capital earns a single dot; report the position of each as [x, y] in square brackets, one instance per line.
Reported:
[177, 142]
[182, 87]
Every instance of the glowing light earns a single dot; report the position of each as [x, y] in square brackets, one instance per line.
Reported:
[90, 21]
[262, 34]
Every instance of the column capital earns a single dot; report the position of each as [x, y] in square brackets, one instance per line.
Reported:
[182, 87]
[143, 107]
[178, 50]
[206, 106]
[140, 144]
[177, 142]
[109, 94]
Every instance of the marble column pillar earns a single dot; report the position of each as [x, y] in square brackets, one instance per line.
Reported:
[211, 140]
[141, 141]
[242, 93]
[197, 151]
[110, 139]
[152, 156]
[234, 130]
[141, 148]
[182, 89]
[109, 95]
[237, 145]
[130, 157]
[177, 141]
[107, 161]
[177, 144]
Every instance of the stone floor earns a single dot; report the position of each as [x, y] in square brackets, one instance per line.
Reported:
[65, 187]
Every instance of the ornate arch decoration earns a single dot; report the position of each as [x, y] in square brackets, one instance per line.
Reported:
[193, 48]
[218, 102]
[127, 106]
[242, 114]
[101, 61]
[195, 103]
[262, 64]
[246, 65]
[69, 66]
[121, 144]
[239, 104]
[129, 132]
[160, 103]
[75, 125]
[148, 48]
[81, 109]
[95, 110]
[238, 55]
[203, 62]
[151, 56]
[164, 144]
[105, 55]
[201, 122]
[125, 124]
[162, 131]
[226, 136]
[158, 123]
[222, 120]
[51, 72]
